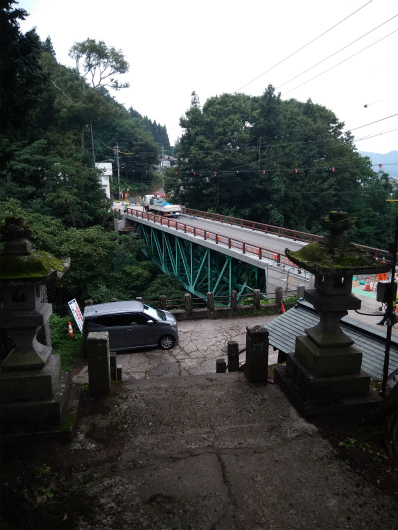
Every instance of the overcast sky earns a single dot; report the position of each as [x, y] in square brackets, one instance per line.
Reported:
[213, 47]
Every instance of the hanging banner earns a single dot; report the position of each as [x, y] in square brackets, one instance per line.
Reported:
[74, 307]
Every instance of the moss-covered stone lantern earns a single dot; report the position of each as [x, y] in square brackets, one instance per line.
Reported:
[33, 389]
[326, 365]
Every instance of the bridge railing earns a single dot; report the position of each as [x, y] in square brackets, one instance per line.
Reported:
[253, 225]
[238, 244]
[259, 252]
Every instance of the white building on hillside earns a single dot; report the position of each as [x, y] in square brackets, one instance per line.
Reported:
[106, 168]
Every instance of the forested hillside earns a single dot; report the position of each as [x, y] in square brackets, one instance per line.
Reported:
[56, 122]
[284, 163]
[279, 162]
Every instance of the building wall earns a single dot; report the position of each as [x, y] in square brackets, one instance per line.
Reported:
[106, 167]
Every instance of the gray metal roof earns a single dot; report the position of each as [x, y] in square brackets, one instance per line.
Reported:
[284, 329]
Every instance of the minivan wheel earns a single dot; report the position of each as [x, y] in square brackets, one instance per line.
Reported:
[166, 342]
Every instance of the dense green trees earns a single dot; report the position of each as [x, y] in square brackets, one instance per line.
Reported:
[54, 127]
[279, 162]
[21, 78]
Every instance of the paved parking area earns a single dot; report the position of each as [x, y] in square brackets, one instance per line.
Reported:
[201, 343]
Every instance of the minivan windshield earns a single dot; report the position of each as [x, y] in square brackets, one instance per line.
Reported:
[154, 313]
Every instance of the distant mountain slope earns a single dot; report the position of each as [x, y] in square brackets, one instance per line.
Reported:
[388, 158]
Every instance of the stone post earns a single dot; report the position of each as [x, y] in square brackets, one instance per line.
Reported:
[278, 296]
[257, 354]
[256, 298]
[221, 366]
[233, 356]
[188, 303]
[210, 302]
[234, 300]
[300, 292]
[112, 359]
[98, 360]
[163, 301]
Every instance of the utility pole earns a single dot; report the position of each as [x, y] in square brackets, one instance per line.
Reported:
[118, 167]
[92, 142]
[259, 152]
[161, 168]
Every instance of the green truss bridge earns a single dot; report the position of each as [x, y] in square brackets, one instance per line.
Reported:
[212, 253]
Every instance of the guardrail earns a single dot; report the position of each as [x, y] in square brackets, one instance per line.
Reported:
[256, 251]
[253, 225]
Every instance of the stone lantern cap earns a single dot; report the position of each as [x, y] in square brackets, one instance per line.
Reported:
[20, 264]
[335, 256]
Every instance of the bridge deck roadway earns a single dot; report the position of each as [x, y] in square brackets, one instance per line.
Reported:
[249, 236]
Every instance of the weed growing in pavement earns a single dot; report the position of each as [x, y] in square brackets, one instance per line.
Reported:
[33, 491]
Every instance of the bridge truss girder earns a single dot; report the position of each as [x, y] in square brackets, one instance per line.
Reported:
[200, 269]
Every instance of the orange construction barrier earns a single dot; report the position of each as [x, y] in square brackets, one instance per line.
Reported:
[367, 285]
[70, 330]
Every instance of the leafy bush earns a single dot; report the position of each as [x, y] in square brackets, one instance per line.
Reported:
[68, 348]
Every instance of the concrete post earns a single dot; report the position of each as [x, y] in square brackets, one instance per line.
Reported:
[278, 296]
[233, 356]
[256, 298]
[300, 291]
[163, 301]
[234, 300]
[257, 354]
[98, 361]
[112, 360]
[210, 302]
[221, 366]
[188, 303]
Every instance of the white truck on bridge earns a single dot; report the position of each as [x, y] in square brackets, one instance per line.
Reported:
[158, 204]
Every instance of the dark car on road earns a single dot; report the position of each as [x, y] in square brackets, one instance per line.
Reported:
[131, 325]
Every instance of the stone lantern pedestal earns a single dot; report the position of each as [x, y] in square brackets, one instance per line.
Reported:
[324, 372]
[33, 391]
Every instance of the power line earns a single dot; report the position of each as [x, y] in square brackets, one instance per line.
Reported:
[335, 53]
[373, 135]
[302, 48]
[341, 62]
[371, 123]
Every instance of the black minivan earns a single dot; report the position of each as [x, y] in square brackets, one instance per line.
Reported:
[131, 325]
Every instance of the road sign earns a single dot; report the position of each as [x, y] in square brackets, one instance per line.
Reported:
[74, 307]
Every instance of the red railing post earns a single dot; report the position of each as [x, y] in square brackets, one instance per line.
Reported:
[244, 247]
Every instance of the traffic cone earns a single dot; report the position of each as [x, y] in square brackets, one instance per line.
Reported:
[70, 330]
[275, 256]
[367, 285]
[283, 308]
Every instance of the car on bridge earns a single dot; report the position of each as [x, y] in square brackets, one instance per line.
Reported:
[131, 325]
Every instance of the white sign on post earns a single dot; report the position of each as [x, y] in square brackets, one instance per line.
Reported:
[74, 307]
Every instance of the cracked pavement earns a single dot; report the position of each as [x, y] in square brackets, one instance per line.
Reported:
[201, 343]
[210, 451]
[218, 453]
